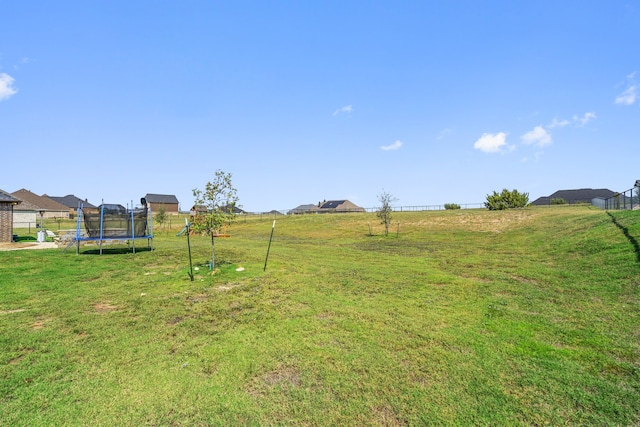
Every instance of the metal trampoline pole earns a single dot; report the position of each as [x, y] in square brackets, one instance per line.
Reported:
[101, 225]
[133, 230]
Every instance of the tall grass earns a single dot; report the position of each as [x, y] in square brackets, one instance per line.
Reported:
[461, 318]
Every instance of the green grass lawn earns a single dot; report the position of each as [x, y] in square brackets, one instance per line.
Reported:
[466, 317]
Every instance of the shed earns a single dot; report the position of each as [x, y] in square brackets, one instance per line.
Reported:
[167, 201]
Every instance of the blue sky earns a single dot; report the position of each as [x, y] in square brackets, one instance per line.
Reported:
[431, 101]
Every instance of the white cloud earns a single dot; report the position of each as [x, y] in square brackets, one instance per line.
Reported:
[395, 146]
[6, 89]
[491, 142]
[584, 119]
[346, 109]
[629, 96]
[558, 123]
[538, 136]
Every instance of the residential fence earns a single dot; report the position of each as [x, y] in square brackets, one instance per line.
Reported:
[625, 200]
[276, 213]
[28, 225]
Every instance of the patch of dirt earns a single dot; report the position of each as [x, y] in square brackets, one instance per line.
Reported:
[175, 320]
[38, 324]
[17, 310]
[285, 377]
[104, 307]
[16, 246]
[16, 360]
[499, 222]
[386, 417]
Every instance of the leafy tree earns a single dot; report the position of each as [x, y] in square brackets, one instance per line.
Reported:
[385, 211]
[219, 197]
[161, 215]
[506, 200]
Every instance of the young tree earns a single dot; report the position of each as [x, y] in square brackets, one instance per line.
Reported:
[161, 216]
[385, 211]
[219, 197]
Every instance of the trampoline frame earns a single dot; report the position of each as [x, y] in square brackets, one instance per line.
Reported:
[102, 238]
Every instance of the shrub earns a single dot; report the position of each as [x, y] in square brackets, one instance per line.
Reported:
[506, 200]
[558, 201]
[451, 206]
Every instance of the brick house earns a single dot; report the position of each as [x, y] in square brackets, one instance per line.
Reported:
[25, 215]
[7, 202]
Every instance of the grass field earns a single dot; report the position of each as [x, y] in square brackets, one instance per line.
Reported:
[468, 317]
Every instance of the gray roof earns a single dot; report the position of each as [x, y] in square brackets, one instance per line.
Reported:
[303, 208]
[161, 198]
[71, 201]
[582, 195]
[8, 198]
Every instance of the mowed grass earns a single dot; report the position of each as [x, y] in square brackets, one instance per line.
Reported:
[522, 317]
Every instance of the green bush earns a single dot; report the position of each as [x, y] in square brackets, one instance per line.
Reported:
[558, 201]
[451, 206]
[506, 200]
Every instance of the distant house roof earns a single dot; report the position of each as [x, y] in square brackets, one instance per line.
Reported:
[304, 209]
[40, 202]
[198, 208]
[583, 195]
[233, 209]
[8, 198]
[71, 201]
[332, 204]
[161, 198]
[339, 206]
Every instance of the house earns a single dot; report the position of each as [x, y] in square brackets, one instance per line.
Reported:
[47, 208]
[202, 209]
[232, 209]
[583, 195]
[168, 202]
[73, 203]
[303, 209]
[7, 203]
[198, 210]
[338, 206]
[331, 206]
[26, 215]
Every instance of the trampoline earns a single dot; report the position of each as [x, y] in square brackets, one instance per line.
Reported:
[114, 222]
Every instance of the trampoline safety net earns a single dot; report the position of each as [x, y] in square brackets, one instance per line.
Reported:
[117, 222]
